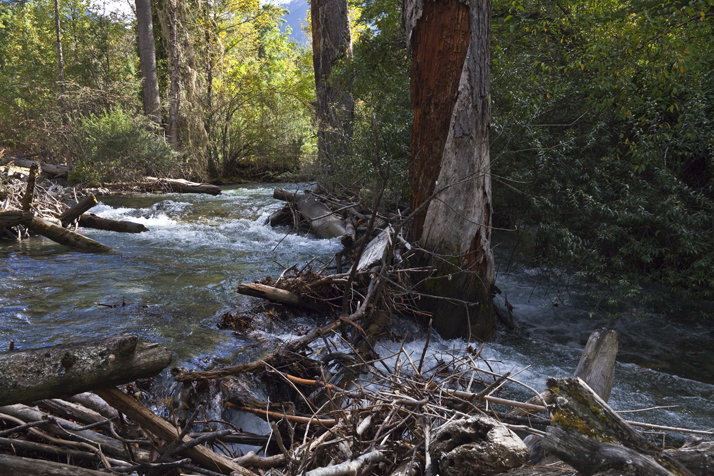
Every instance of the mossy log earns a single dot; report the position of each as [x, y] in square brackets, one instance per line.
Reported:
[587, 434]
[90, 220]
[66, 237]
[49, 372]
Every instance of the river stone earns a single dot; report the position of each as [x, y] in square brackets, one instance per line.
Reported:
[476, 446]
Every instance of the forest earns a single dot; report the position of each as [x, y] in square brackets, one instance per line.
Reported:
[601, 136]
[444, 143]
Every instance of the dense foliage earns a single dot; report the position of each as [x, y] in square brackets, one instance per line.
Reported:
[603, 144]
[602, 139]
[245, 90]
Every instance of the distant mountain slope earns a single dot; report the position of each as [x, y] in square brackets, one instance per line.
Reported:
[296, 18]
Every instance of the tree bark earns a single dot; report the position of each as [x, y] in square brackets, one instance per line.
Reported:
[147, 57]
[331, 43]
[29, 375]
[449, 168]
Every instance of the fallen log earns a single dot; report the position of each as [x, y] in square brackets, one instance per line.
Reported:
[76, 211]
[50, 169]
[20, 466]
[277, 295]
[90, 220]
[14, 217]
[66, 429]
[178, 186]
[49, 372]
[66, 237]
[164, 430]
[323, 221]
[590, 436]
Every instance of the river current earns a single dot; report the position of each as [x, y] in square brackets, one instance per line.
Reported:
[172, 283]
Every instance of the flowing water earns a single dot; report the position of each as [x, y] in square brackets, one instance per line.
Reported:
[172, 283]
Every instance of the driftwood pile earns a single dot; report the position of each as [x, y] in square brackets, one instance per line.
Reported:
[31, 201]
[339, 408]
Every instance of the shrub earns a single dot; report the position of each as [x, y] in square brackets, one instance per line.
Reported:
[115, 146]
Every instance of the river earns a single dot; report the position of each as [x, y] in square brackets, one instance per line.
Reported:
[172, 283]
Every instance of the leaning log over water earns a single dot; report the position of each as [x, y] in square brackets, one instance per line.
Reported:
[29, 375]
[90, 220]
[76, 211]
[66, 237]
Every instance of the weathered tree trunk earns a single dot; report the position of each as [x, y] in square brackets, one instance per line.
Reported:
[76, 211]
[174, 93]
[147, 56]
[331, 43]
[90, 220]
[66, 237]
[29, 375]
[450, 158]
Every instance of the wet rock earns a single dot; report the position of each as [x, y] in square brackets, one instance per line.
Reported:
[476, 446]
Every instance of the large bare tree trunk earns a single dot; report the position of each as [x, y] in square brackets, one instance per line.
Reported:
[450, 158]
[147, 56]
[331, 42]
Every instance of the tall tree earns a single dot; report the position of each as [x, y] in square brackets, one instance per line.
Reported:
[449, 168]
[331, 42]
[174, 51]
[147, 57]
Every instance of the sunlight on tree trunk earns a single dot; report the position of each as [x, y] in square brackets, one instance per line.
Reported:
[60, 58]
[450, 155]
[174, 74]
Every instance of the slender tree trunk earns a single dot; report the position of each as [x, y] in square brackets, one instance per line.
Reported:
[450, 157]
[331, 42]
[147, 57]
[60, 57]
[174, 97]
